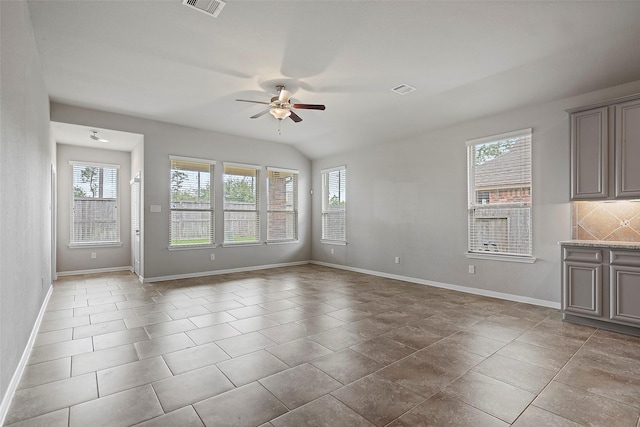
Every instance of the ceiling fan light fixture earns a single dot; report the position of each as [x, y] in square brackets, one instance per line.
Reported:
[280, 113]
[95, 137]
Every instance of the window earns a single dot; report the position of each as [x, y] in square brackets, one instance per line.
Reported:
[191, 203]
[241, 204]
[282, 205]
[499, 194]
[334, 199]
[94, 218]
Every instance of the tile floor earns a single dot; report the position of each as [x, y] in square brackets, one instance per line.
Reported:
[311, 345]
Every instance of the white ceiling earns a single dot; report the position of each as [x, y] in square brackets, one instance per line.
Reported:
[164, 61]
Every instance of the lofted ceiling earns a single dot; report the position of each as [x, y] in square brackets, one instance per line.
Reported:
[164, 61]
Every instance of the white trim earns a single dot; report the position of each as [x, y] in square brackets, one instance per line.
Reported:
[333, 242]
[96, 164]
[94, 245]
[337, 168]
[192, 159]
[17, 374]
[241, 165]
[218, 272]
[499, 137]
[272, 169]
[281, 242]
[187, 247]
[95, 270]
[238, 244]
[497, 257]
[465, 289]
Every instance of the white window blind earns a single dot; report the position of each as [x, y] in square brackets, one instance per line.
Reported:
[95, 217]
[499, 194]
[192, 214]
[334, 203]
[241, 204]
[282, 205]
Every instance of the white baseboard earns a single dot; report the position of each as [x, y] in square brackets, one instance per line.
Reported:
[217, 272]
[94, 270]
[17, 375]
[475, 291]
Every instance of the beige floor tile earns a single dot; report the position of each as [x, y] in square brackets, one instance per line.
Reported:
[378, 399]
[59, 350]
[59, 418]
[45, 372]
[249, 405]
[494, 397]
[212, 333]
[251, 367]
[115, 339]
[299, 351]
[519, 374]
[117, 410]
[163, 345]
[442, 410]
[331, 411]
[130, 375]
[39, 400]
[194, 358]
[103, 359]
[536, 417]
[183, 417]
[585, 408]
[244, 344]
[291, 387]
[347, 365]
[191, 387]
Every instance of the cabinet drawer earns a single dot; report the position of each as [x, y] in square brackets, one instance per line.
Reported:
[582, 254]
[625, 258]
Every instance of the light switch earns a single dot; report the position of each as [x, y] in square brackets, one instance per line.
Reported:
[156, 208]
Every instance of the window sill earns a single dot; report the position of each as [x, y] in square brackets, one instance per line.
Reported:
[498, 257]
[233, 245]
[189, 247]
[281, 242]
[95, 245]
[334, 242]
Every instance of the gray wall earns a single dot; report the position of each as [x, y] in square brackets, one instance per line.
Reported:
[408, 198]
[162, 140]
[78, 259]
[26, 156]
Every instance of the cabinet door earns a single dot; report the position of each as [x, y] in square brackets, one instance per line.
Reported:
[628, 149]
[625, 294]
[589, 154]
[582, 288]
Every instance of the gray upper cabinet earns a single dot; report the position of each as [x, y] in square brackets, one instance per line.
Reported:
[605, 150]
[590, 154]
[628, 149]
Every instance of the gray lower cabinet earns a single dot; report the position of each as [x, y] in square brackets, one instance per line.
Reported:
[624, 287]
[601, 286]
[582, 276]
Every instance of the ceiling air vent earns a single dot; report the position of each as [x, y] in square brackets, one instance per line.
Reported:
[403, 89]
[210, 7]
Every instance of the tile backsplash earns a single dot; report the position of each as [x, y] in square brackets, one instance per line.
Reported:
[610, 221]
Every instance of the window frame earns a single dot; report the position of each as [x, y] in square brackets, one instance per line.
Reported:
[73, 243]
[325, 177]
[474, 205]
[211, 164]
[257, 190]
[295, 174]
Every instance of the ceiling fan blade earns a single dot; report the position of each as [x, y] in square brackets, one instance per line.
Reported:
[309, 106]
[255, 102]
[260, 114]
[296, 118]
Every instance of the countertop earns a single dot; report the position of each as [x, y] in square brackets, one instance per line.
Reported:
[601, 244]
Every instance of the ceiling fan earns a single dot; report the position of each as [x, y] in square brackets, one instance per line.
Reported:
[280, 106]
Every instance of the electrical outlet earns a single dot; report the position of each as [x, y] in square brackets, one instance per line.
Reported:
[94, 255]
[397, 260]
[212, 257]
[333, 251]
[472, 269]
